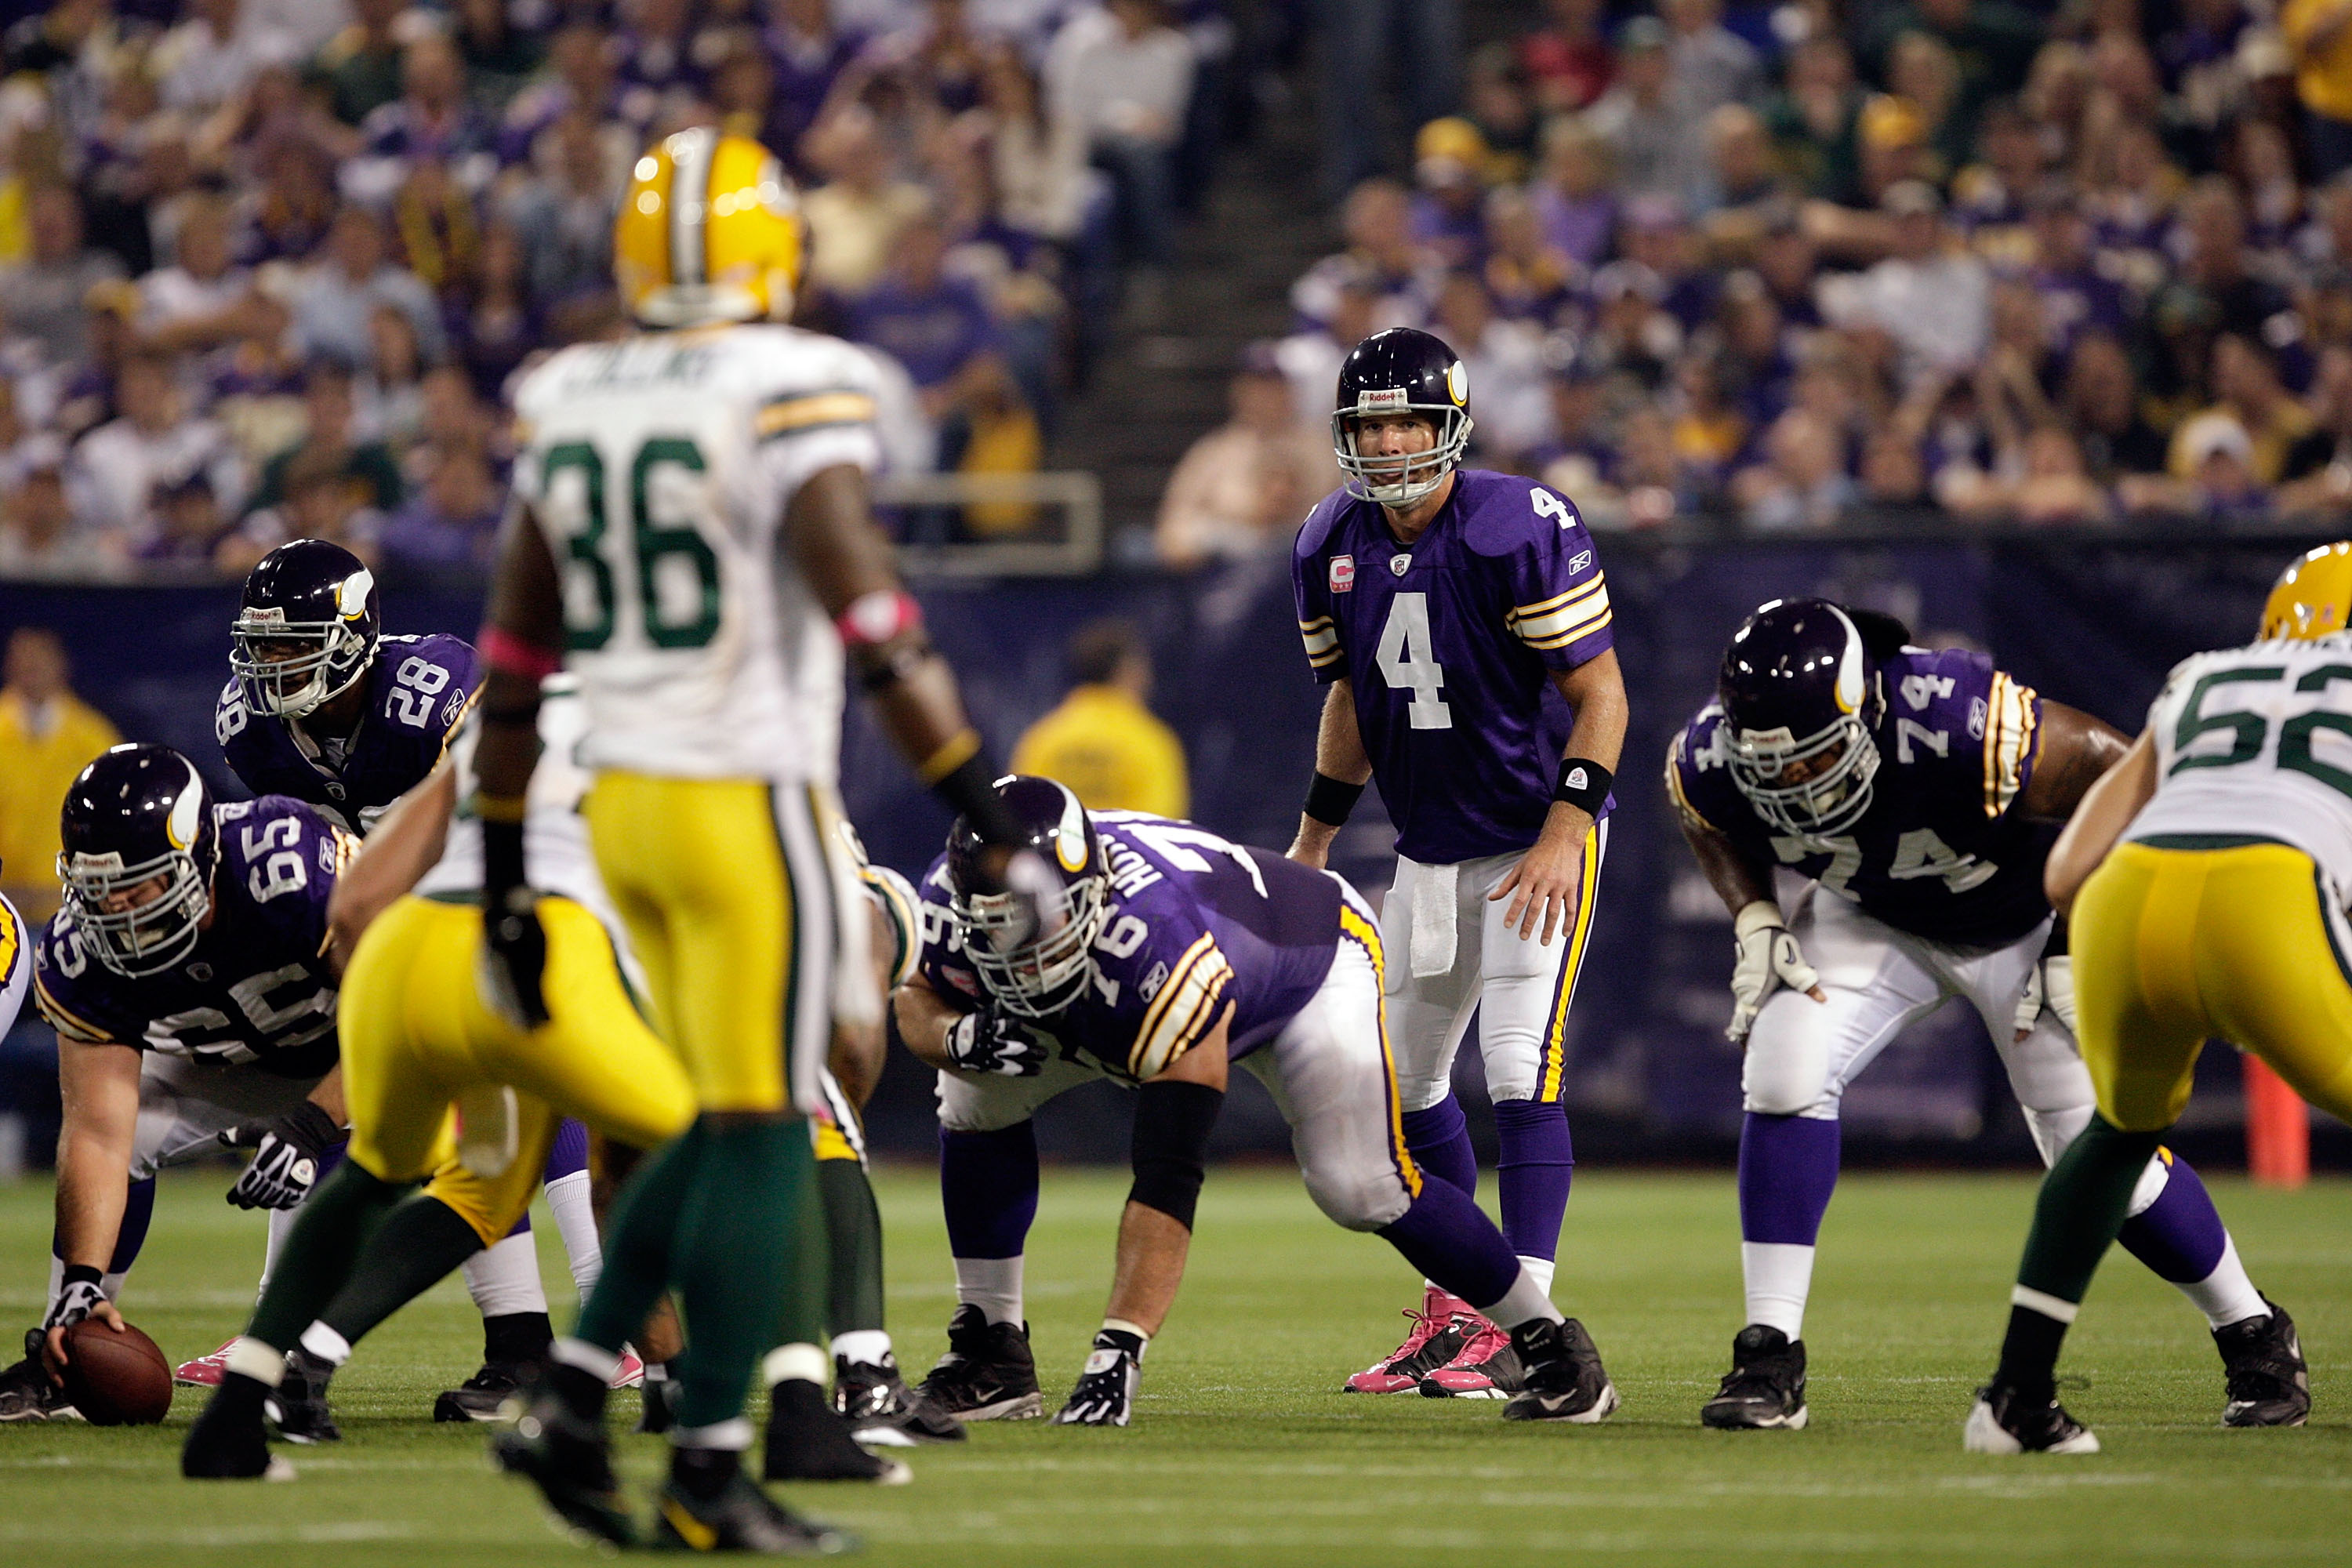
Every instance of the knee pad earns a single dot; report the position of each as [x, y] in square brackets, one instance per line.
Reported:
[1361, 1200]
[966, 1106]
[1786, 1072]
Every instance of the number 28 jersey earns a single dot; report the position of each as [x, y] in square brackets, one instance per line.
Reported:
[1447, 645]
[1945, 851]
[2256, 742]
[660, 469]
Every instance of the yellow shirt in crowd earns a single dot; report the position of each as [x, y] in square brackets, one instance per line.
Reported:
[2323, 76]
[37, 761]
[1111, 751]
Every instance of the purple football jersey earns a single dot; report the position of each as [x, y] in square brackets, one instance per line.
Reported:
[1945, 852]
[1448, 647]
[258, 987]
[417, 688]
[1194, 923]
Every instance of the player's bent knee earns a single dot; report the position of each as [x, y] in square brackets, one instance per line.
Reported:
[1359, 1201]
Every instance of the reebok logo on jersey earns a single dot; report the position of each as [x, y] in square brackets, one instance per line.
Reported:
[1343, 573]
[1582, 559]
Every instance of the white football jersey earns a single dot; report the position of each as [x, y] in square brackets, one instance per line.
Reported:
[557, 856]
[660, 469]
[2256, 742]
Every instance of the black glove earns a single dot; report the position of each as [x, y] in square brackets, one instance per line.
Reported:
[987, 1041]
[285, 1157]
[1104, 1396]
[82, 1296]
[514, 944]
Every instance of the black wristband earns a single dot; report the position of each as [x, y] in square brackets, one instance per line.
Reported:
[1584, 784]
[82, 1274]
[971, 789]
[1329, 800]
[309, 1128]
[502, 865]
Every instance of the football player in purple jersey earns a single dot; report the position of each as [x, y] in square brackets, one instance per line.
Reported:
[186, 979]
[1440, 605]
[323, 707]
[1186, 957]
[1915, 796]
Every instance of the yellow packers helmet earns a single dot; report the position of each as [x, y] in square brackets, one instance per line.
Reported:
[2313, 596]
[711, 231]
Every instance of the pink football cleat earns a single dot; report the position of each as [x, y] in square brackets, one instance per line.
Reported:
[204, 1371]
[631, 1373]
[1436, 1338]
[1485, 1367]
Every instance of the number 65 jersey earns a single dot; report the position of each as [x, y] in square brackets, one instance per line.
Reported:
[256, 988]
[2256, 742]
[1447, 645]
[1945, 852]
[659, 469]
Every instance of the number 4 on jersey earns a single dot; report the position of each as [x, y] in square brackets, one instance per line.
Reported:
[1407, 661]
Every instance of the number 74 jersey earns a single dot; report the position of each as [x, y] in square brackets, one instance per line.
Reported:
[1946, 851]
[2256, 742]
[660, 469]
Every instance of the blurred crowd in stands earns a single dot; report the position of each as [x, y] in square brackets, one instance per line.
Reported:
[1815, 263]
[268, 265]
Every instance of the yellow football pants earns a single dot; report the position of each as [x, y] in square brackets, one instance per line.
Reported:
[416, 1036]
[2173, 946]
[731, 905]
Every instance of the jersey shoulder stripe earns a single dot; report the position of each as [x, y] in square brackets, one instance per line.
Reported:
[1322, 640]
[796, 412]
[1675, 751]
[1182, 1012]
[64, 1021]
[1557, 621]
[2010, 730]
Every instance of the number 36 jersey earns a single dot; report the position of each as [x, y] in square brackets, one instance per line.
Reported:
[1945, 851]
[660, 469]
[258, 987]
[1447, 645]
[2257, 742]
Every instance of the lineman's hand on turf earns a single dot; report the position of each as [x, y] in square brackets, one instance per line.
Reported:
[514, 957]
[1768, 958]
[285, 1162]
[988, 1042]
[1104, 1396]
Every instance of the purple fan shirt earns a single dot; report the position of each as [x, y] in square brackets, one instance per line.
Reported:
[1448, 647]
[418, 688]
[1945, 850]
[1194, 924]
[256, 988]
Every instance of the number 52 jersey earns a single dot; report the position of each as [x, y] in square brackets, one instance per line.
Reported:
[2256, 742]
[659, 469]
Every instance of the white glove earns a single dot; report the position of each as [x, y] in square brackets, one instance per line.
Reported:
[2051, 985]
[1768, 958]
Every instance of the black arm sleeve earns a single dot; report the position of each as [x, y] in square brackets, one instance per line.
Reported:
[1173, 1122]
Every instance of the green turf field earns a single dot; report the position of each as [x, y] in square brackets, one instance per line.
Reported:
[1245, 1455]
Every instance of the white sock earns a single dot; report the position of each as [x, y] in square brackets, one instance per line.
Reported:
[326, 1344]
[594, 1360]
[248, 1357]
[866, 1347]
[786, 1363]
[281, 1225]
[734, 1434]
[2227, 1296]
[576, 1223]
[1541, 1267]
[1779, 1275]
[505, 1279]
[990, 1284]
[1523, 1303]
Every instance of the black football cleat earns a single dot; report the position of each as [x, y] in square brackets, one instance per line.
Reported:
[229, 1441]
[808, 1441]
[566, 1457]
[299, 1404]
[1565, 1381]
[1485, 1367]
[1764, 1389]
[988, 1373]
[883, 1412]
[741, 1517]
[493, 1393]
[2005, 1421]
[2268, 1384]
[27, 1394]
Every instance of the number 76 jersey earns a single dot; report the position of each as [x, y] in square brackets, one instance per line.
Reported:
[2256, 742]
[1946, 851]
[659, 469]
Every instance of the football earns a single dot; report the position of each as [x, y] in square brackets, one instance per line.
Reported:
[116, 1378]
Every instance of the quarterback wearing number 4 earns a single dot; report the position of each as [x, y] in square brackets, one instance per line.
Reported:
[1911, 790]
[1438, 604]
